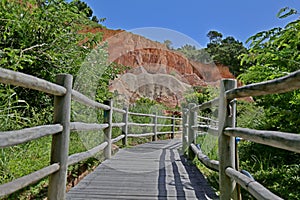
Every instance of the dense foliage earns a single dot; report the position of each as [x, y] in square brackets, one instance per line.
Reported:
[224, 51]
[41, 38]
[272, 54]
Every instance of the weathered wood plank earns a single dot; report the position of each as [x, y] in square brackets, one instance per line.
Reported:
[120, 137]
[125, 128]
[255, 188]
[108, 117]
[119, 110]
[10, 138]
[226, 144]
[60, 141]
[17, 184]
[75, 158]
[148, 171]
[282, 140]
[31, 82]
[192, 122]
[211, 164]
[140, 135]
[140, 124]
[121, 124]
[81, 126]
[284, 84]
[164, 125]
[165, 117]
[81, 98]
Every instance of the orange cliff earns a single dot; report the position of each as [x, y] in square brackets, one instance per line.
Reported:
[156, 72]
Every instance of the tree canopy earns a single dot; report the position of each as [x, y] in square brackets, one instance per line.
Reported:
[42, 38]
[226, 51]
[272, 54]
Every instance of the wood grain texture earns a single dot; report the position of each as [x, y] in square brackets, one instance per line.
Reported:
[140, 124]
[255, 188]
[140, 135]
[184, 137]
[118, 110]
[121, 124]
[125, 128]
[60, 141]
[10, 138]
[120, 137]
[284, 84]
[81, 98]
[19, 183]
[211, 164]
[153, 170]
[282, 140]
[31, 82]
[81, 126]
[75, 158]
[226, 144]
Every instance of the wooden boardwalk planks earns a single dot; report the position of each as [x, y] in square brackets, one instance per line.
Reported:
[149, 171]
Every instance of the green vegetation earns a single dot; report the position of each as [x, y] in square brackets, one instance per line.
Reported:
[272, 54]
[225, 51]
[43, 38]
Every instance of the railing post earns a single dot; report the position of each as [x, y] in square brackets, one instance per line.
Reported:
[108, 131]
[192, 131]
[226, 143]
[237, 194]
[60, 141]
[184, 131]
[154, 121]
[125, 127]
[173, 127]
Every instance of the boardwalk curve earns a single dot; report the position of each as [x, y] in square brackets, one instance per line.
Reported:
[153, 170]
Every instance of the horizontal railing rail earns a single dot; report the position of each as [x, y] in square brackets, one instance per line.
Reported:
[227, 166]
[60, 131]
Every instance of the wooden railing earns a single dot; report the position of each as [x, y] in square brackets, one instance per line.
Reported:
[226, 131]
[61, 128]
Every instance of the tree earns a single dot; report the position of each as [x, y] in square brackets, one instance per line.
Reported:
[215, 37]
[195, 54]
[275, 53]
[83, 8]
[226, 51]
[41, 38]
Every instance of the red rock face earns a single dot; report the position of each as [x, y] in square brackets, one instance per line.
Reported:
[146, 58]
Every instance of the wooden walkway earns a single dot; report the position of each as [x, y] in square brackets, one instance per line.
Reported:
[149, 171]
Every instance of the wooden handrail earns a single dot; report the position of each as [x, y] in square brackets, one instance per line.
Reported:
[282, 140]
[63, 93]
[228, 131]
[11, 138]
[284, 84]
[30, 82]
[19, 183]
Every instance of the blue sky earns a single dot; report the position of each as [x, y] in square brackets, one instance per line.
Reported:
[192, 18]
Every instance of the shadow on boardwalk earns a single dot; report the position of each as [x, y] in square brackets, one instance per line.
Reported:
[149, 171]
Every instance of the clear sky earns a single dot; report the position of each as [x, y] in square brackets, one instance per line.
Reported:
[193, 18]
